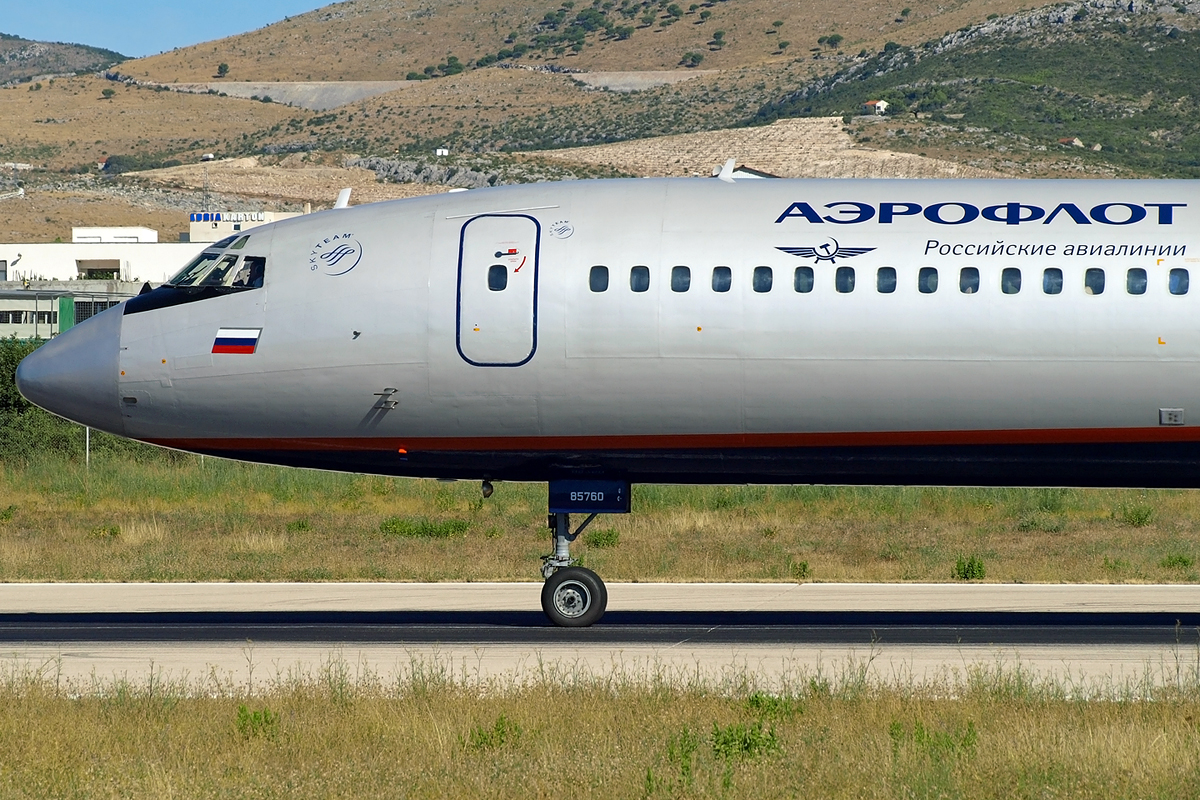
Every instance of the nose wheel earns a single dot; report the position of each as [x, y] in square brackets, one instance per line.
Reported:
[572, 597]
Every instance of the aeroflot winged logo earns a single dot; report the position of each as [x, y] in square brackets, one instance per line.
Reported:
[336, 255]
[849, 212]
[829, 251]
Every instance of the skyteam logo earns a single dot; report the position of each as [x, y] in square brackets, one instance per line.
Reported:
[336, 255]
[829, 251]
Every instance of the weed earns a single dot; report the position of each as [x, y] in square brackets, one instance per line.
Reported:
[299, 525]
[681, 754]
[743, 741]
[936, 744]
[105, 533]
[7, 514]
[1041, 521]
[777, 706]
[605, 537]
[1136, 515]
[1115, 564]
[257, 724]
[1177, 561]
[421, 528]
[969, 569]
[800, 570]
[502, 732]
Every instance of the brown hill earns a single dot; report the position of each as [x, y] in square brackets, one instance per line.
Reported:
[387, 39]
[24, 59]
[69, 123]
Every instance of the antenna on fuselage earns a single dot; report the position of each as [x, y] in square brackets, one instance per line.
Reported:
[343, 200]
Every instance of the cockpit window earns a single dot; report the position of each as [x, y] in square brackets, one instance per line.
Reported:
[217, 275]
[217, 271]
[240, 243]
[195, 271]
[228, 240]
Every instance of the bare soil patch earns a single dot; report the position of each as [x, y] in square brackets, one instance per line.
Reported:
[814, 147]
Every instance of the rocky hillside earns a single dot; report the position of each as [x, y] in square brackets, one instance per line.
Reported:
[1115, 80]
[22, 60]
[391, 39]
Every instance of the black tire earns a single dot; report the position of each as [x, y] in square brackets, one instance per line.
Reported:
[574, 597]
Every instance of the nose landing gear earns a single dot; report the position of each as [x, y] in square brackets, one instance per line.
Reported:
[575, 597]
[572, 597]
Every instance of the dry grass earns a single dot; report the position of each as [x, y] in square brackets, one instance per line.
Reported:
[43, 216]
[810, 147]
[289, 180]
[186, 521]
[381, 40]
[554, 732]
[68, 122]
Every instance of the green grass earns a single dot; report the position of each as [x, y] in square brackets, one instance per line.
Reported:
[138, 515]
[552, 730]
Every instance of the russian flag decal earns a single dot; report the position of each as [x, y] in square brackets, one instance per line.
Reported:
[236, 340]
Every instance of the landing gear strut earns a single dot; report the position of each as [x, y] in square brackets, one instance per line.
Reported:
[575, 597]
[572, 597]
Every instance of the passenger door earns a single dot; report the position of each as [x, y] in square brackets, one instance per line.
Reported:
[497, 290]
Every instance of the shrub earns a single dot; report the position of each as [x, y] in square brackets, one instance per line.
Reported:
[262, 723]
[502, 732]
[969, 569]
[800, 570]
[1177, 561]
[421, 528]
[743, 741]
[1138, 515]
[605, 537]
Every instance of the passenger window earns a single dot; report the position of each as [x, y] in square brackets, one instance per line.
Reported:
[1135, 281]
[843, 279]
[681, 279]
[803, 280]
[722, 279]
[1010, 280]
[1093, 281]
[1052, 280]
[639, 279]
[763, 279]
[927, 280]
[1179, 281]
[497, 277]
[968, 280]
[885, 280]
[598, 279]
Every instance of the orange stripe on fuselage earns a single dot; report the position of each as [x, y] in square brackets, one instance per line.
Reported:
[699, 441]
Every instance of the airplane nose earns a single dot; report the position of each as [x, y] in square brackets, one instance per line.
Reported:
[74, 374]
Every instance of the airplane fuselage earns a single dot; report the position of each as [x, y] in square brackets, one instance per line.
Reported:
[694, 331]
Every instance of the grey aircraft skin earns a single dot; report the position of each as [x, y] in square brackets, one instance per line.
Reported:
[1007, 333]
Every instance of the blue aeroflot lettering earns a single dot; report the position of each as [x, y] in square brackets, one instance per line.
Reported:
[847, 212]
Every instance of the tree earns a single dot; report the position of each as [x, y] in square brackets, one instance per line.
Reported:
[691, 59]
[783, 46]
[704, 15]
[108, 93]
[222, 70]
[834, 39]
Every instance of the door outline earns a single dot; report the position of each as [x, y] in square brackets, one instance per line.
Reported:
[537, 251]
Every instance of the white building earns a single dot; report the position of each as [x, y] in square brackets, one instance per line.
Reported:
[213, 226]
[113, 235]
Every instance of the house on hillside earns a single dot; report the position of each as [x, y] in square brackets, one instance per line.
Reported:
[875, 107]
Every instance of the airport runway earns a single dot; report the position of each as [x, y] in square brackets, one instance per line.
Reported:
[714, 632]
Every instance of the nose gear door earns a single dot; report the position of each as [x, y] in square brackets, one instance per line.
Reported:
[497, 290]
